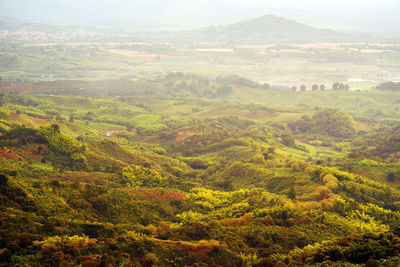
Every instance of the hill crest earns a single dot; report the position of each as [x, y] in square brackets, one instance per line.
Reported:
[269, 28]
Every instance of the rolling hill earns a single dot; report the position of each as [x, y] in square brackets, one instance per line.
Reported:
[269, 28]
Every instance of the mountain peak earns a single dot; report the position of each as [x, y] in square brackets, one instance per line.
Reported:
[271, 23]
[270, 28]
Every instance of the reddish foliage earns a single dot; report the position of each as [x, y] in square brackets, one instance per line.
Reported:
[91, 263]
[26, 239]
[267, 220]
[71, 178]
[8, 154]
[47, 249]
[164, 227]
[86, 259]
[182, 136]
[202, 251]
[32, 151]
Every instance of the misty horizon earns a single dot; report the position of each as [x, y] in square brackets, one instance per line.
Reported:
[342, 15]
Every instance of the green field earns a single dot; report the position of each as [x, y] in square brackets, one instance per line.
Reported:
[323, 63]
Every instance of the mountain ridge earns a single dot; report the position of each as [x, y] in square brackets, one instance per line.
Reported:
[270, 28]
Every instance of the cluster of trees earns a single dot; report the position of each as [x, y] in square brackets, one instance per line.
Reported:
[241, 81]
[140, 176]
[330, 122]
[63, 151]
[322, 87]
[393, 86]
[315, 87]
[177, 84]
[357, 249]
[340, 86]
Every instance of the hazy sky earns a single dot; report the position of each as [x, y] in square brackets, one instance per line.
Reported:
[320, 4]
[340, 13]
[311, 5]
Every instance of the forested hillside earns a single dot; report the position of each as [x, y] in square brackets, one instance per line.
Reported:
[163, 179]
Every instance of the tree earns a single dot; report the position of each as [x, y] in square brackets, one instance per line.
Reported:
[288, 139]
[315, 87]
[303, 88]
[388, 86]
[224, 90]
[322, 87]
[59, 117]
[294, 88]
[140, 176]
[330, 122]
[303, 125]
[3, 179]
[55, 128]
[88, 116]
[391, 176]
[2, 100]
[292, 193]
[335, 86]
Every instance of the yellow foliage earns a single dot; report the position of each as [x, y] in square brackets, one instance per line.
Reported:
[189, 217]
[330, 181]
[59, 241]
[249, 260]
[135, 235]
[322, 192]
[309, 170]
[151, 229]
[295, 167]
[258, 159]
[270, 163]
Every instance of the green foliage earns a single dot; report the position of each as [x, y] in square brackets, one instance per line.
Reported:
[388, 86]
[208, 188]
[237, 80]
[330, 122]
[200, 162]
[29, 110]
[354, 249]
[64, 150]
[140, 176]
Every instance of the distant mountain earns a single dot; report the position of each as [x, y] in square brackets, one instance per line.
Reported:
[24, 26]
[269, 28]
[347, 16]
[264, 29]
